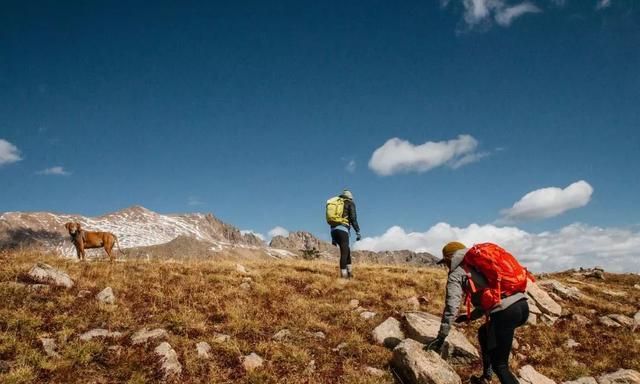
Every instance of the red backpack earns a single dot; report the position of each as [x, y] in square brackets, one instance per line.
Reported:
[504, 275]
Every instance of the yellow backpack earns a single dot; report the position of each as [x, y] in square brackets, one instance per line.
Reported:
[335, 212]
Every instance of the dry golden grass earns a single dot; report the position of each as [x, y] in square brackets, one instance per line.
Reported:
[193, 300]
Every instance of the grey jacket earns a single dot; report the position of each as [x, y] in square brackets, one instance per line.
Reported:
[457, 282]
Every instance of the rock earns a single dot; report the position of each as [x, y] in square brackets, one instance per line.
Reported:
[580, 319]
[367, 315]
[622, 376]
[374, 371]
[360, 309]
[245, 286]
[572, 344]
[340, 347]
[204, 350]
[144, 335]
[46, 274]
[532, 319]
[247, 280]
[515, 344]
[636, 321]
[424, 300]
[424, 327]
[220, 338]
[533, 308]
[413, 303]
[282, 335]
[622, 319]
[554, 296]
[548, 319]
[417, 366]
[169, 359]
[528, 375]
[241, 269]
[251, 362]
[318, 335]
[388, 333]
[5, 366]
[106, 296]
[543, 300]
[613, 293]
[354, 303]
[636, 286]
[582, 380]
[99, 333]
[49, 346]
[311, 368]
[565, 292]
[609, 322]
[596, 273]
[84, 293]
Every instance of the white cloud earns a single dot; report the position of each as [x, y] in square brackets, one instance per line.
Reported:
[506, 15]
[194, 201]
[54, 171]
[549, 202]
[252, 232]
[351, 166]
[9, 153]
[602, 4]
[397, 155]
[278, 231]
[572, 246]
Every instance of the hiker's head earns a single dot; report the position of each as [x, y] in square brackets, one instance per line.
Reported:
[449, 250]
[347, 194]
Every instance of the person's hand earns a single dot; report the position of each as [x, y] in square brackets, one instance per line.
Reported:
[358, 237]
[435, 345]
[462, 318]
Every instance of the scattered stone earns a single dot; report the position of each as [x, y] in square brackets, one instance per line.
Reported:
[554, 296]
[84, 293]
[247, 280]
[144, 335]
[622, 376]
[374, 371]
[360, 309]
[252, 361]
[515, 344]
[613, 293]
[245, 286]
[548, 319]
[367, 315]
[532, 319]
[622, 319]
[388, 333]
[582, 380]
[636, 286]
[282, 335]
[424, 300]
[565, 292]
[417, 366]
[528, 375]
[413, 303]
[99, 333]
[169, 359]
[596, 273]
[49, 346]
[204, 350]
[424, 327]
[580, 319]
[45, 274]
[608, 321]
[241, 269]
[106, 296]
[572, 344]
[354, 303]
[340, 347]
[533, 308]
[220, 338]
[543, 300]
[636, 321]
[318, 335]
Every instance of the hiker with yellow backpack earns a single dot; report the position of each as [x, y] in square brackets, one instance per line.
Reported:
[492, 280]
[341, 216]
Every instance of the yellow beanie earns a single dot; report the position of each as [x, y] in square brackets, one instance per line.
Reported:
[451, 248]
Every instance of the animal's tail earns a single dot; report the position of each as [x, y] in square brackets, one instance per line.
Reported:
[118, 245]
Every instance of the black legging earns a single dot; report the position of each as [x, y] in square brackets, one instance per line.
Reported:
[342, 239]
[496, 338]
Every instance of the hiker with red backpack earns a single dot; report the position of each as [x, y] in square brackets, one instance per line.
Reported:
[492, 280]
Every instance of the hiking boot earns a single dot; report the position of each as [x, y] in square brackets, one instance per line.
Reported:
[479, 380]
[344, 274]
[349, 271]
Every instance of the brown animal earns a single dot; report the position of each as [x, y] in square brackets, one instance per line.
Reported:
[85, 240]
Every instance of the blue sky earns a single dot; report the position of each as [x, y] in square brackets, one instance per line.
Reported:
[260, 111]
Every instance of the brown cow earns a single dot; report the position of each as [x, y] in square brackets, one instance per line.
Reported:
[85, 240]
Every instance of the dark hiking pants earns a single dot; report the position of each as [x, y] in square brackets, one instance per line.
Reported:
[341, 238]
[496, 338]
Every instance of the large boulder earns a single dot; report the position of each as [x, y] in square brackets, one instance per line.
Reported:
[252, 362]
[388, 333]
[423, 327]
[528, 375]
[542, 300]
[106, 296]
[171, 367]
[565, 292]
[46, 274]
[622, 376]
[417, 366]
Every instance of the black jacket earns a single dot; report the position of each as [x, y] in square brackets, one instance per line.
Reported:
[350, 213]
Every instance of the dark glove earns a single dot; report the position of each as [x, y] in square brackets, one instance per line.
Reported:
[358, 237]
[435, 345]
[462, 318]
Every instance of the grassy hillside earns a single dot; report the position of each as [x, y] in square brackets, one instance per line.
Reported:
[194, 300]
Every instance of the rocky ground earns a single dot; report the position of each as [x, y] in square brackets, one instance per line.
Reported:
[293, 321]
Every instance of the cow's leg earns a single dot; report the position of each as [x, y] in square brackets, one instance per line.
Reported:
[108, 247]
[79, 252]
